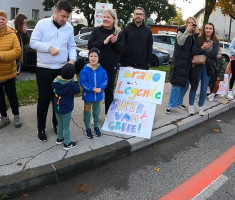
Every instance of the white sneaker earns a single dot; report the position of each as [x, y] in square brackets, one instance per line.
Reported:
[230, 95]
[191, 109]
[211, 97]
[201, 111]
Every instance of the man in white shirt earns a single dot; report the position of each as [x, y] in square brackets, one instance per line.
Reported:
[53, 39]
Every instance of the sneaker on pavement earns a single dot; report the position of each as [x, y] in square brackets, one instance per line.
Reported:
[69, 146]
[97, 132]
[42, 135]
[230, 95]
[191, 110]
[88, 133]
[17, 122]
[211, 97]
[59, 141]
[201, 111]
[4, 121]
[168, 110]
[181, 106]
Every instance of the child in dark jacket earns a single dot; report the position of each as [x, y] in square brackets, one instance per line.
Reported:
[93, 79]
[220, 70]
[64, 88]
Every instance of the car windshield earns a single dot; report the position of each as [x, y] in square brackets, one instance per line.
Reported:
[226, 46]
[172, 40]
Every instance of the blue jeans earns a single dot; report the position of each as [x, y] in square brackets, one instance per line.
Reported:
[205, 80]
[177, 95]
[63, 126]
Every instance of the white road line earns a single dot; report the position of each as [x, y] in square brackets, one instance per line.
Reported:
[210, 189]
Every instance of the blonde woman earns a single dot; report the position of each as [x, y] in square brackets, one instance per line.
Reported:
[108, 40]
[181, 64]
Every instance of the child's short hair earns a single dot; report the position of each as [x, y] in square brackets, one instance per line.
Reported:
[68, 71]
[94, 50]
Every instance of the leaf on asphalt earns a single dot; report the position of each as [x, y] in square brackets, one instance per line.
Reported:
[203, 123]
[83, 189]
[128, 155]
[157, 169]
[24, 196]
[189, 130]
[19, 164]
[216, 130]
[218, 120]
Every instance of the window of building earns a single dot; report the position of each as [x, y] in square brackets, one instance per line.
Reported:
[35, 15]
[14, 12]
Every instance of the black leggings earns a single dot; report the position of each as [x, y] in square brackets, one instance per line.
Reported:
[231, 83]
[44, 78]
[8, 87]
[111, 73]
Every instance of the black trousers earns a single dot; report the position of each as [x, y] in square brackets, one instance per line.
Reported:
[8, 87]
[232, 79]
[111, 73]
[44, 78]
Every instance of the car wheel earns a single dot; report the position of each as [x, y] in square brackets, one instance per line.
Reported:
[18, 68]
[225, 57]
[155, 62]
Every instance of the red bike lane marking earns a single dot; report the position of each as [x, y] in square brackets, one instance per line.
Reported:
[202, 179]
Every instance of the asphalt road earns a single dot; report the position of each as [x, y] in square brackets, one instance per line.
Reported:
[154, 171]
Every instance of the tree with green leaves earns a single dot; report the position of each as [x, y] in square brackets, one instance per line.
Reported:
[178, 20]
[124, 8]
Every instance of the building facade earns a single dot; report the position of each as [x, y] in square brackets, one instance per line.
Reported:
[221, 23]
[33, 9]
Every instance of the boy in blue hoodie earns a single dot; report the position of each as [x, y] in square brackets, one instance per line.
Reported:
[64, 88]
[93, 79]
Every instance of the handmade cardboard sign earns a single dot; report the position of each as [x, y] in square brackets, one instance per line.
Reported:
[130, 118]
[140, 85]
[99, 12]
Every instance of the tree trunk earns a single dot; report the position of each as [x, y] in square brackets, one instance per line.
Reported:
[209, 6]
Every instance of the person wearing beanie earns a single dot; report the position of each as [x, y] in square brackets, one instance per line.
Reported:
[93, 79]
[64, 87]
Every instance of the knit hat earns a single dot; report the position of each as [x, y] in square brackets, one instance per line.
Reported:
[94, 50]
[68, 71]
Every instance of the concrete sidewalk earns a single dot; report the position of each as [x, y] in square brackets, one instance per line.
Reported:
[27, 163]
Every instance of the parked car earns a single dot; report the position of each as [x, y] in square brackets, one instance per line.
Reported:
[160, 56]
[82, 38]
[225, 50]
[165, 41]
[30, 57]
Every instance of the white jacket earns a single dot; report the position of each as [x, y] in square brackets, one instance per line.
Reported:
[46, 34]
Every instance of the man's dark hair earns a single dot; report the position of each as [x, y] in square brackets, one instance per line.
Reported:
[64, 5]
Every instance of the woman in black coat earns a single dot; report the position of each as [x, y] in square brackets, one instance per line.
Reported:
[206, 44]
[181, 64]
[108, 40]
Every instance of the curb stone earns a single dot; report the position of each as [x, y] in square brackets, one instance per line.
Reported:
[61, 170]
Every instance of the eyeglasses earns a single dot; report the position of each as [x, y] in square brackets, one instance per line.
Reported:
[140, 14]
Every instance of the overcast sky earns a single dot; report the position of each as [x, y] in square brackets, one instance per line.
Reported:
[189, 9]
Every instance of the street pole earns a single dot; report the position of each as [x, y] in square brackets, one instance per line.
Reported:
[229, 33]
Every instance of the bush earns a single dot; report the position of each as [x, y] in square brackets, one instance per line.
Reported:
[31, 24]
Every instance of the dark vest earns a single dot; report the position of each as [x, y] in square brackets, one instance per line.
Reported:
[180, 65]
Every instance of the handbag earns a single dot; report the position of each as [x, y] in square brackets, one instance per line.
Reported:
[199, 60]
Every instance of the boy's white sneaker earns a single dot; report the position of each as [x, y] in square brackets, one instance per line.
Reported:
[201, 111]
[230, 95]
[211, 97]
[191, 109]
